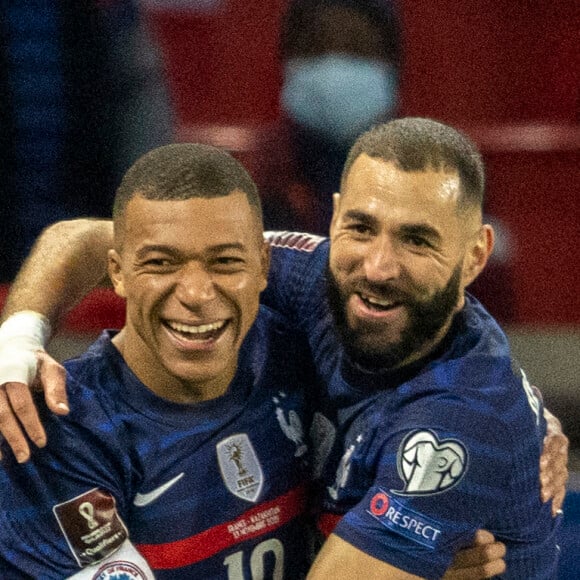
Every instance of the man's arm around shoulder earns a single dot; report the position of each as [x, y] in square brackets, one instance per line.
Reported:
[340, 560]
[67, 261]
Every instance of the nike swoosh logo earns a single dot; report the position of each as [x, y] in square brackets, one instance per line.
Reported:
[143, 499]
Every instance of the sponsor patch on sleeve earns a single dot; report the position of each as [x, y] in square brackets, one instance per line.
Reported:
[91, 525]
[398, 518]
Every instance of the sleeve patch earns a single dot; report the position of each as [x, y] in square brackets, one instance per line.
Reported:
[91, 526]
[430, 465]
[398, 518]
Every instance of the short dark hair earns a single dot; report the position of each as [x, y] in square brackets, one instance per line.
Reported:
[184, 171]
[418, 144]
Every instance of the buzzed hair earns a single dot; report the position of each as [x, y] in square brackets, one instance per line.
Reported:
[420, 144]
[183, 171]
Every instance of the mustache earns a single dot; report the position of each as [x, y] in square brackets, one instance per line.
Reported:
[387, 291]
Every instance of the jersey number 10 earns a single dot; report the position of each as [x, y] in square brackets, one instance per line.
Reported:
[234, 562]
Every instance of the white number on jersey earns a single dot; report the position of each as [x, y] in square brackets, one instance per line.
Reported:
[234, 562]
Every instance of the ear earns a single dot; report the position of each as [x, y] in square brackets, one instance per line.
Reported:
[116, 273]
[265, 254]
[335, 210]
[478, 252]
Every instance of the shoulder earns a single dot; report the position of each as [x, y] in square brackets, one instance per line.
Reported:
[94, 383]
[484, 366]
[298, 263]
[276, 342]
[295, 241]
[297, 253]
[96, 355]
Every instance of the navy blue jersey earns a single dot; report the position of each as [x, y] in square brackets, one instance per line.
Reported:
[209, 490]
[427, 454]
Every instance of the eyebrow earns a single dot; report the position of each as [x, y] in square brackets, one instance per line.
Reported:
[422, 230]
[360, 216]
[227, 247]
[418, 229]
[164, 249]
[143, 251]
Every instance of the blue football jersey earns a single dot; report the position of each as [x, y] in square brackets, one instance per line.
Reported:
[425, 455]
[209, 490]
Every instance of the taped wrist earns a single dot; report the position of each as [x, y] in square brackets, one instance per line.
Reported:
[21, 336]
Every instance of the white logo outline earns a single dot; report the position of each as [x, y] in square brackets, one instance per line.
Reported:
[423, 457]
[533, 400]
[291, 427]
[143, 499]
[240, 467]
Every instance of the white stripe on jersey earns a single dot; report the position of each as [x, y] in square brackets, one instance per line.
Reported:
[294, 240]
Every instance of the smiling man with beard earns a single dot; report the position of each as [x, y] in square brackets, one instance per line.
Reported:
[433, 431]
[365, 343]
[439, 431]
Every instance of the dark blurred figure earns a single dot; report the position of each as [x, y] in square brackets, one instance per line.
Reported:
[341, 62]
[81, 97]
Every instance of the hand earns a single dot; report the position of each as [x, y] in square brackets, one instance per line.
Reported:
[554, 463]
[18, 414]
[484, 559]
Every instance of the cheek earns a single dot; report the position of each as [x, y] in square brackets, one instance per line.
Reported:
[427, 280]
[245, 293]
[144, 294]
[244, 287]
[344, 258]
[428, 268]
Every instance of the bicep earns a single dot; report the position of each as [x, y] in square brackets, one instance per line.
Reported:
[340, 560]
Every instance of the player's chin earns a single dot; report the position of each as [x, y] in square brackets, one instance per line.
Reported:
[206, 369]
[376, 349]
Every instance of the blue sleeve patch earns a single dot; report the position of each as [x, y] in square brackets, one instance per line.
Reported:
[398, 518]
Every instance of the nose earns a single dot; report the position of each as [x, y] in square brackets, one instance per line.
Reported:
[381, 262]
[195, 286]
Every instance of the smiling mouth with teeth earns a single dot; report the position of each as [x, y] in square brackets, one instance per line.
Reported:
[377, 303]
[201, 332]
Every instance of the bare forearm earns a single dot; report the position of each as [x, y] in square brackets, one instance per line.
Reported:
[340, 560]
[67, 261]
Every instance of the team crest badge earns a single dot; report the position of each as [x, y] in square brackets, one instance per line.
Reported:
[239, 466]
[428, 465]
[120, 571]
[291, 426]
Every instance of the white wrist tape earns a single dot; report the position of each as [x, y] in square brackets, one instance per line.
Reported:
[21, 336]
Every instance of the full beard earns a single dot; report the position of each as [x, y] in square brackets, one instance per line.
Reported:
[426, 319]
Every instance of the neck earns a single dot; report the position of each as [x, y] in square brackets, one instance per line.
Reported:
[167, 385]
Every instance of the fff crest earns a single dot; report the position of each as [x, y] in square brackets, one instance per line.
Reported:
[240, 467]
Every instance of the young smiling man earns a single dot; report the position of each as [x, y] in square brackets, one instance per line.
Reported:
[184, 454]
[416, 371]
